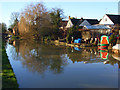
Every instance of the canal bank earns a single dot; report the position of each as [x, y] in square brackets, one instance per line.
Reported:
[63, 42]
[82, 45]
[8, 76]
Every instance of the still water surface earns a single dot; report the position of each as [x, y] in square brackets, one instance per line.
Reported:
[38, 65]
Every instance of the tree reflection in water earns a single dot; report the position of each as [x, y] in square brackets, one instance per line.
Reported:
[40, 57]
[43, 61]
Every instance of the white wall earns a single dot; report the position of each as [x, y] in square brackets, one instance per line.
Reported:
[69, 24]
[85, 22]
[106, 20]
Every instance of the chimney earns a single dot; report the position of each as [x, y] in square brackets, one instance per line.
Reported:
[69, 17]
[81, 18]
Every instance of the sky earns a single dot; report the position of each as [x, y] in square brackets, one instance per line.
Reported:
[74, 8]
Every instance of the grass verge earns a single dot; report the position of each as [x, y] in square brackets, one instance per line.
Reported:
[8, 76]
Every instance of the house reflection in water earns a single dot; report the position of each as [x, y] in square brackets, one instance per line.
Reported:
[83, 55]
[39, 57]
[91, 56]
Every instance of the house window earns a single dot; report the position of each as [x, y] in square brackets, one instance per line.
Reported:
[105, 19]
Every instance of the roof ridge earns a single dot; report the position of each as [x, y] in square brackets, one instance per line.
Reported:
[114, 18]
[91, 19]
[113, 14]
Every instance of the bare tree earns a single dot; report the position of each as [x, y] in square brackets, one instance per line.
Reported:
[36, 20]
[33, 18]
[14, 19]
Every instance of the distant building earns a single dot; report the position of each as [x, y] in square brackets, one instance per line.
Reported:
[91, 28]
[111, 20]
[97, 30]
[89, 22]
[81, 22]
[73, 22]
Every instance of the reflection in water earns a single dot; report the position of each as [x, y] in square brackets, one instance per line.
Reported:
[39, 58]
[61, 66]
[90, 56]
[32, 51]
[104, 55]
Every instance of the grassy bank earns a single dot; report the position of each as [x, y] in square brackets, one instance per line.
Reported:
[8, 76]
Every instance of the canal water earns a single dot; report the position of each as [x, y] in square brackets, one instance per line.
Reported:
[39, 65]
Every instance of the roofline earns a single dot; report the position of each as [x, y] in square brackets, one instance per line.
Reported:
[109, 18]
[113, 14]
[104, 16]
[90, 19]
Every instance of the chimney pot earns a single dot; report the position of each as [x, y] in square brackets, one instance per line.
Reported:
[81, 18]
[69, 17]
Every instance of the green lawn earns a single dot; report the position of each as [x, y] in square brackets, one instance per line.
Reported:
[8, 76]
